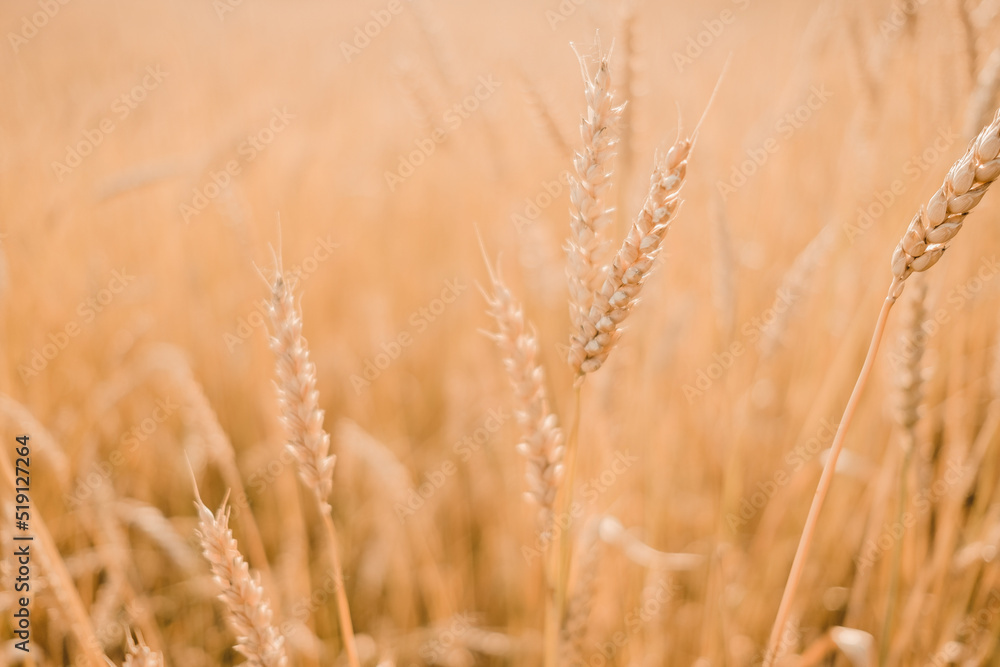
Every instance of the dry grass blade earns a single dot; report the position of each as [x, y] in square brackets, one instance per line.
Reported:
[43, 441]
[60, 580]
[244, 598]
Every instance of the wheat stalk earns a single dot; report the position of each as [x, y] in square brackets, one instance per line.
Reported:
[921, 247]
[308, 443]
[589, 213]
[244, 598]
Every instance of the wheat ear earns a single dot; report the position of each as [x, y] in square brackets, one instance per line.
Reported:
[308, 443]
[541, 439]
[140, 655]
[244, 598]
[589, 213]
[921, 247]
[614, 301]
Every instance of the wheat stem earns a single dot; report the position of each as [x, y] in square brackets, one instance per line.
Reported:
[826, 479]
[559, 557]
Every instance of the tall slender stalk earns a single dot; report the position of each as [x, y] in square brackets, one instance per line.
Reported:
[826, 479]
[559, 557]
[921, 247]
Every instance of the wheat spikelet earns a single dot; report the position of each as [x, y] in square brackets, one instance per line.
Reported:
[909, 375]
[297, 394]
[589, 213]
[248, 607]
[541, 114]
[140, 655]
[308, 443]
[633, 262]
[939, 221]
[793, 284]
[541, 439]
[574, 630]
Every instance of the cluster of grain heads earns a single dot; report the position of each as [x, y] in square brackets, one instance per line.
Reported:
[624, 277]
[307, 441]
[139, 655]
[249, 610]
[941, 219]
[541, 439]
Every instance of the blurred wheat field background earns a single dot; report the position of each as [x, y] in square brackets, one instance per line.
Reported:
[395, 158]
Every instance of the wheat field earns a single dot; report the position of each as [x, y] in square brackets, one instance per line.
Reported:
[404, 332]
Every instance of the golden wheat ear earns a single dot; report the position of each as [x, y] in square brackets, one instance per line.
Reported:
[248, 608]
[307, 440]
[590, 213]
[541, 441]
